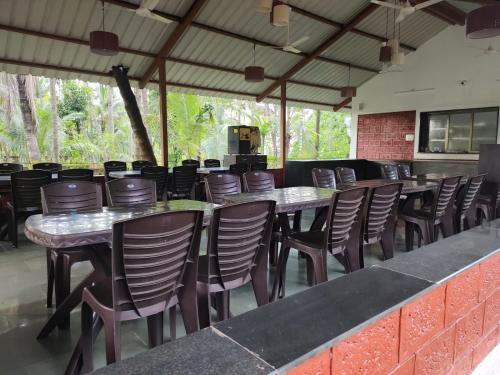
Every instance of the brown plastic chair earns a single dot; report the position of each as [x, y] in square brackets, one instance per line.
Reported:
[404, 171]
[466, 203]
[191, 163]
[26, 198]
[258, 181]
[7, 168]
[130, 191]
[160, 175]
[238, 169]
[218, 185]
[64, 197]
[259, 166]
[183, 182]
[238, 244]
[439, 213]
[340, 237]
[77, 174]
[114, 166]
[488, 203]
[51, 167]
[345, 175]
[389, 172]
[323, 178]
[154, 268]
[137, 165]
[211, 163]
[381, 217]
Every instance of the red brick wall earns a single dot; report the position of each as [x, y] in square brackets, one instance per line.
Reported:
[448, 330]
[381, 136]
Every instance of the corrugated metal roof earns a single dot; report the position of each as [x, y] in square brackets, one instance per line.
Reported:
[76, 18]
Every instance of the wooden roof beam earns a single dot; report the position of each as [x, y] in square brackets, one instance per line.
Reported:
[342, 104]
[229, 34]
[152, 55]
[445, 12]
[339, 25]
[137, 79]
[172, 40]
[369, 9]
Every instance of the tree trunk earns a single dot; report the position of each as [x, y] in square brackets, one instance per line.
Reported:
[318, 123]
[55, 121]
[144, 102]
[140, 132]
[28, 119]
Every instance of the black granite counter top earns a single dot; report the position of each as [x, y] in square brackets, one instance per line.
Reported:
[278, 336]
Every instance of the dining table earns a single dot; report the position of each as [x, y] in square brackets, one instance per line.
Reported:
[434, 177]
[137, 173]
[295, 199]
[93, 230]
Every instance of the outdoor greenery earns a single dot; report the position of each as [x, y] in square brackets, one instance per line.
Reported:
[84, 124]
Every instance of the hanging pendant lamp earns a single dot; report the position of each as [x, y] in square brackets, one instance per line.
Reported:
[281, 15]
[264, 6]
[102, 42]
[348, 91]
[254, 73]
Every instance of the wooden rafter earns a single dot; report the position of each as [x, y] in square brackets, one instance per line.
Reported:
[342, 104]
[172, 40]
[244, 38]
[319, 50]
[339, 25]
[136, 79]
[152, 55]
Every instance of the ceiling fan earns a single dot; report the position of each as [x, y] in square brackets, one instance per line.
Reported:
[406, 9]
[292, 47]
[146, 10]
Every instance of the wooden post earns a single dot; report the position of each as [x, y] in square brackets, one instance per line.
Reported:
[283, 127]
[163, 112]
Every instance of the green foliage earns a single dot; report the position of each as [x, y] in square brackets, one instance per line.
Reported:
[94, 127]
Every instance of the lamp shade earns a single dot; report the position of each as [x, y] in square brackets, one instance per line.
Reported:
[385, 53]
[348, 92]
[281, 15]
[264, 6]
[254, 73]
[103, 43]
[398, 58]
[483, 22]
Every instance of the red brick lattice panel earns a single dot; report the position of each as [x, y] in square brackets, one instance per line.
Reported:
[381, 136]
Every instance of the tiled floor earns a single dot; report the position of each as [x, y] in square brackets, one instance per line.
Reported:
[23, 311]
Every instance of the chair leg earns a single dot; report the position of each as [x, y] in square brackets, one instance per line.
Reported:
[113, 341]
[319, 271]
[13, 229]
[222, 305]
[155, 329]
[409, 235]
[172, 320]
[50, 277]
[310, 267]
[279, 280]
[87, 341]
[447, 226]
[387, 244]
[273, 254]
[190, 309]
[203, 305]
[259, 284]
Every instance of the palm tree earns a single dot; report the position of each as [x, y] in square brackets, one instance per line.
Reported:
[25, 89]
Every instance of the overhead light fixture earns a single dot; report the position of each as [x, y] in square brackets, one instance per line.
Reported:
[102, 42]
[281, 15]
[483, 22]
[264, 6]
[348, 91]
[254, 73]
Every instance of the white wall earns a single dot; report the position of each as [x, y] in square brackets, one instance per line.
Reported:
[442, 63]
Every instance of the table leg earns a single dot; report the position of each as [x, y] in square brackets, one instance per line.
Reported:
[69, 303]
[278, 284]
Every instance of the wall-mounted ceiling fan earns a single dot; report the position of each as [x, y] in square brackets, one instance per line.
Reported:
[146, 10]
[405, 8]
